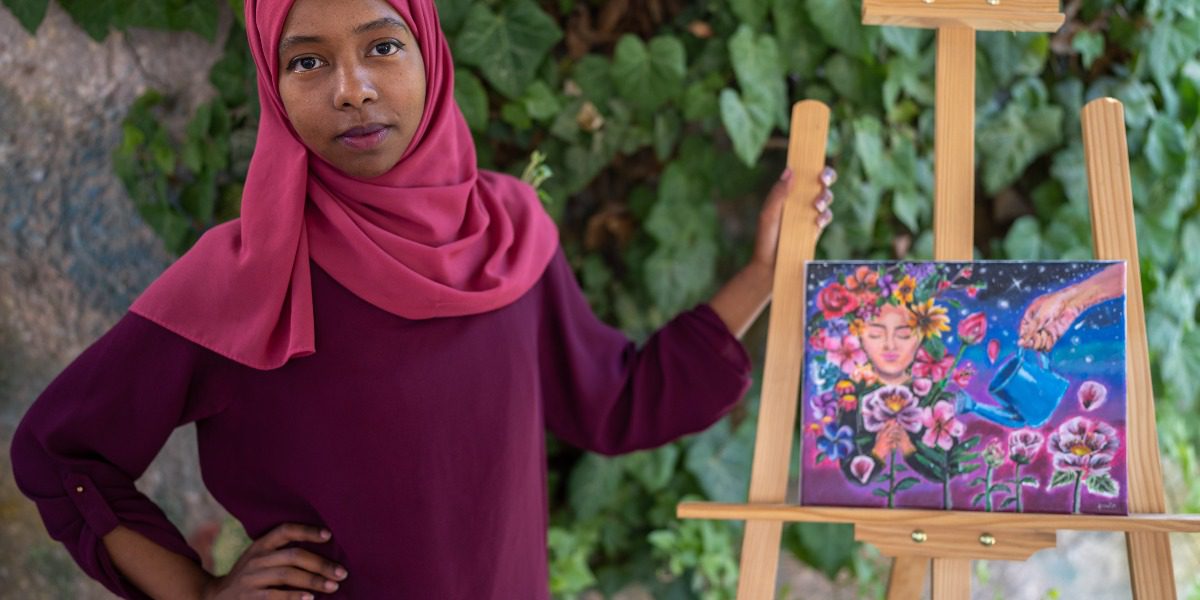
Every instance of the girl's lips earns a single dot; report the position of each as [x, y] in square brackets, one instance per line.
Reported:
[891, 356]
[369, 138]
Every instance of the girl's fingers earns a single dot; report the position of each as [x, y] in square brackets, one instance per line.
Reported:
[829, 176]
[824, 219]
[301, 558]
[291, 577]
[289, 532]
[824, 200]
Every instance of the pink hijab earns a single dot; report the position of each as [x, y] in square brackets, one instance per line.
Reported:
[433, 237]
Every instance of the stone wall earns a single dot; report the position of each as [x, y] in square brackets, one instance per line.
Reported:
[74, 253]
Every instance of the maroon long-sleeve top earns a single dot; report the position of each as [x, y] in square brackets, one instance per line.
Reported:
[418, 443]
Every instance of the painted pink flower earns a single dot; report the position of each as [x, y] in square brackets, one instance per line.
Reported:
[941, 428]
[934, 370]
[891, 403]
[1084, 445]
[846, 352]
[818, 340]
[993, 454]
[921, 386]
[993, 350]
[1023, 445]
[1092, 395]
[862, 467]
[965, 273]
[972, 291]
[973, 329]
[963, 374]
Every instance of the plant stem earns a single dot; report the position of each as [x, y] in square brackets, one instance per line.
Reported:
[946, 480]
[891, 496]
[988, 490]
[1078, 479]
[1017, 486]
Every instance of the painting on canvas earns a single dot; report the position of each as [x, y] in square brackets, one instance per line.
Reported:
[990, 386]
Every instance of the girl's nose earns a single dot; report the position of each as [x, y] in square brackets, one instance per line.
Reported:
[354, 88]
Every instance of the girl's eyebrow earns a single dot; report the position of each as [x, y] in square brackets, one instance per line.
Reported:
[293, 40]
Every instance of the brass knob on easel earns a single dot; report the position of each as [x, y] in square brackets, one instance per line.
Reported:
[919, 536]
[988, 540]
[994, 2]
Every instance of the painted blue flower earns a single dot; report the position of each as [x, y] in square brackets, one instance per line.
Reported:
[838, 328]
[836, 442]
[919, 271]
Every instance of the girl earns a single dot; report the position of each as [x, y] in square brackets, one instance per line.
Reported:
[371, 352]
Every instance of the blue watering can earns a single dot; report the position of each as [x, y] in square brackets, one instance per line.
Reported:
[1027, 389]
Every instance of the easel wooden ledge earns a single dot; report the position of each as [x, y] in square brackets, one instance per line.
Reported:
[949, 540]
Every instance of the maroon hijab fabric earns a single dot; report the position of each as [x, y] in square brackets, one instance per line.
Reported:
[434, 236]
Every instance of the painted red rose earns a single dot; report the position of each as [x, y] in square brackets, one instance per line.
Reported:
[835, 300]
[973, 328]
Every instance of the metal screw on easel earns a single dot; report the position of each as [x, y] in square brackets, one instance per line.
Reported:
[919, 536]
[994, 2]
[987, 540]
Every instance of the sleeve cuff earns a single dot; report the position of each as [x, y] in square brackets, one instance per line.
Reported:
[90, 503]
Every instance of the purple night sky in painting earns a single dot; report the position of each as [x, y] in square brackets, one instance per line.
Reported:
[917, 394]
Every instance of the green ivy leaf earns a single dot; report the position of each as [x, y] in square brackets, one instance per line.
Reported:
[1012, 139]
[540, 101]
[830, 547]
[471, 99]
[750, 12]
[1089, 45]
[649, 75]
[592, 482]
[801, 45]
[507, 47]
[840, 25]
[451, 14]
[719, 458]
[1014, 55]
[748, 126]
[29, 13]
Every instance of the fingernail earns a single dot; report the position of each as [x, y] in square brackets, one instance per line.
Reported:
[340, 572]
[329, 585]
[828, 176]
[787, 174]
[325, 533]
[307, 596]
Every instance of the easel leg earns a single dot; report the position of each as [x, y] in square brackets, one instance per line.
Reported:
[1151, 573]
[760, 560]
[951, 579]
[908, 577]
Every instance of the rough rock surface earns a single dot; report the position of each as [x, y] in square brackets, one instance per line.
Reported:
[74, 253]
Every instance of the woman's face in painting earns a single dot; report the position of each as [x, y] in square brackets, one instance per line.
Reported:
[352, 80]
[890, 343]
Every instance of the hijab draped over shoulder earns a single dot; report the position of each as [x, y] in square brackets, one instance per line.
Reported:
[433, 237]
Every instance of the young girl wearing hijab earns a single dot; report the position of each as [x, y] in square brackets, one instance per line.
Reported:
[405, 458]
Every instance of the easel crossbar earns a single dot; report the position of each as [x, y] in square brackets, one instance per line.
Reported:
[1158, 523]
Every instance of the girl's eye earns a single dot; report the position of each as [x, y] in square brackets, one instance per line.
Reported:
[306, 63]
[388, 47]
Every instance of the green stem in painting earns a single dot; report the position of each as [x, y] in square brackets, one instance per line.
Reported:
[1078, 480]
[946, 480]
[988, 489]
[891, 495]
[1017, 486]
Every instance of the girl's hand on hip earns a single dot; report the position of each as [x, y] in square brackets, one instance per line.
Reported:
[769, 220]
[264, 567]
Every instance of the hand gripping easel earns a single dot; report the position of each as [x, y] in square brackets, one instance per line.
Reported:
[949, 540]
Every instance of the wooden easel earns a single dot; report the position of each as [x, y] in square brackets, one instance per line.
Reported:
[949, 540]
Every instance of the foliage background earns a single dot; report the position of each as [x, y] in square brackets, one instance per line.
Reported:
[663, 123]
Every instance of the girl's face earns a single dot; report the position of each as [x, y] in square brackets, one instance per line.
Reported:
[890, 343]
[352, 81]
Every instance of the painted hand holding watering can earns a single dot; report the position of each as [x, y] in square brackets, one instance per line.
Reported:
[1025, 387]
